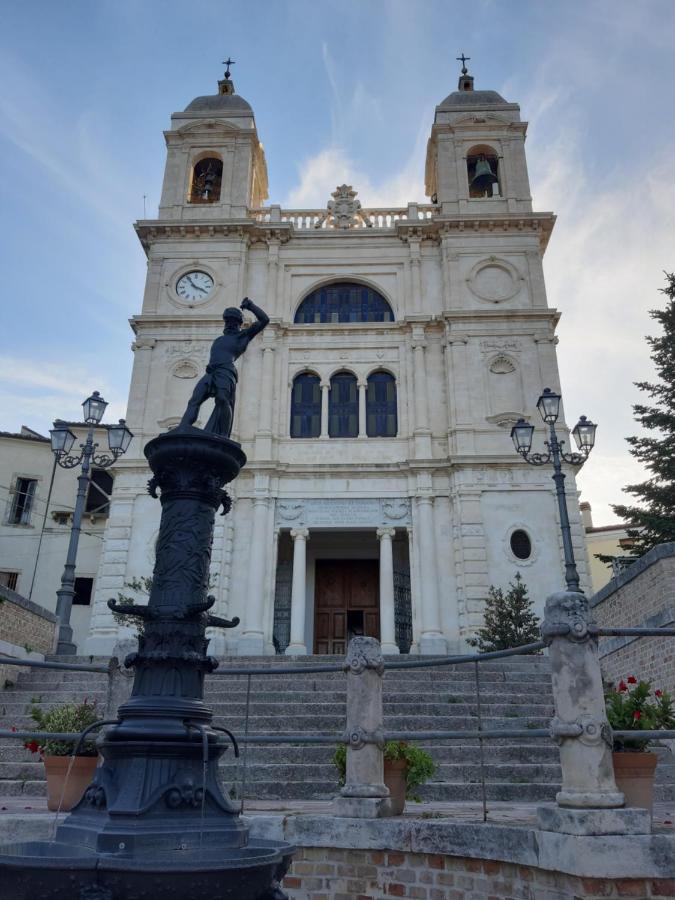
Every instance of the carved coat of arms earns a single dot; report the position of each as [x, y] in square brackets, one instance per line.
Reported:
[344, 210]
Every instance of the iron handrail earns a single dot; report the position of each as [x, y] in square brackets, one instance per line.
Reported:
[48, 664]
[395, 663]
[494, 734]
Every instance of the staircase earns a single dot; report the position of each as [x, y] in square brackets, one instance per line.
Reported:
[515, 694]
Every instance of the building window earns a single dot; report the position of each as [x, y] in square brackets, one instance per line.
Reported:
[22, 501]
[306, 406]
[521, 545]
[83, 589]
[482, 168]
[343, 406]
[381, 418]
[206, 178]
[98, 495]
[344, 302]
[9, 580]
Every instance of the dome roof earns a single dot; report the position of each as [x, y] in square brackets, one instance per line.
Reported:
[219, 103]
[474, 98]
[225, 101]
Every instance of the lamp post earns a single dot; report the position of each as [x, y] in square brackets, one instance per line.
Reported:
[62, 438]
[584, 435]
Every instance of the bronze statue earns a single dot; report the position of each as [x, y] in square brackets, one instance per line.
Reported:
[220, 381]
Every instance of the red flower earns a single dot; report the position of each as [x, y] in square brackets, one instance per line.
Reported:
[631, 679]
[637, 714]
[33, 746]
[623, 686]
[658, 693]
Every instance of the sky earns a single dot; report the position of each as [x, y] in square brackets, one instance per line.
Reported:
[342, 90]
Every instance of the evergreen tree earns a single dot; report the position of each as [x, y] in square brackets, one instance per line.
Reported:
[508, 619]
[652, 522]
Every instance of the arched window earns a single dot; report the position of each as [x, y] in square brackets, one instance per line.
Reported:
[482, 169]
[381, 418]
[206, 178]
[343, 406]
[306, 406]
[344, 302]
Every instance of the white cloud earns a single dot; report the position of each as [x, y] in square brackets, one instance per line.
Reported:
[604, 266]
[34, 392]
[73, 154]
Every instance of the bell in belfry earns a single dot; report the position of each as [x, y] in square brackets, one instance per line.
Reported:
[484, 177]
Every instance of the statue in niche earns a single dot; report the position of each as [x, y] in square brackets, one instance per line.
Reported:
[220, 381]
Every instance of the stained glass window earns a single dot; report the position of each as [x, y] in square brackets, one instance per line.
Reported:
[343, 406]
[381, 416]
[344, 302]
[306, 406]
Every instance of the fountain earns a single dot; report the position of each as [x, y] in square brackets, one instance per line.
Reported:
[154, 821]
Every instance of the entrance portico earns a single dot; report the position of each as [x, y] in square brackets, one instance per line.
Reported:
[335, 582]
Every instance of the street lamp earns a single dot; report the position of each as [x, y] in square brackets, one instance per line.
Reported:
[62, 439]
[584, 436]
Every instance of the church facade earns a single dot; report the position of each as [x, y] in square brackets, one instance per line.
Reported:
[382, 495]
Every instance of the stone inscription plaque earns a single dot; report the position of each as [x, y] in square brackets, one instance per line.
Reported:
[347, 513]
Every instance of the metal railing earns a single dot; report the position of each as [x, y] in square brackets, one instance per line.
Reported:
[480, 734]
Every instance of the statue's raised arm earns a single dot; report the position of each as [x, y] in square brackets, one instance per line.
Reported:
[261, 316]
[220, 380]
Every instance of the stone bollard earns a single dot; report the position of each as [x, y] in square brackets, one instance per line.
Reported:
[120, 680]
[589, 801]
[365, 795]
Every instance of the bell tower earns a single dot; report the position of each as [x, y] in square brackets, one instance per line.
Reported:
[476, 153]
[215, 163]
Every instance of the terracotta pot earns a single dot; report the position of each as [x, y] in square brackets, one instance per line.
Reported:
[634, 773]
[394, 778]
[79, 779]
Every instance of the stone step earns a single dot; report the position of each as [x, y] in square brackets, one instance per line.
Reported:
[443, 713]
[12, 752]
[532, 660]
[323, 722]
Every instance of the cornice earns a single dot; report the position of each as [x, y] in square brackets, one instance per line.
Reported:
[250, 231]
[539, 223]
[151, 231]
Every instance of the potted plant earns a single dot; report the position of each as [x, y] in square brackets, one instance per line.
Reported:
[406, 767]
[633, 706]
[68, 776]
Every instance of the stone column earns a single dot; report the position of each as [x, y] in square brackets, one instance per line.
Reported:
[589, 800]
[364, 795]
[363, 386]
[297, 646]
[387, 627]
[252, 643]
[325, 388]
[431, 640]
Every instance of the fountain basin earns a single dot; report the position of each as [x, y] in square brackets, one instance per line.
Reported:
[44, 870]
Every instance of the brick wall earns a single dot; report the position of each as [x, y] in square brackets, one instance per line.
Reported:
[331, 874]
[24, 626]
[643, 595]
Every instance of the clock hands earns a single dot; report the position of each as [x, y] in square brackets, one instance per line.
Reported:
[196, 286]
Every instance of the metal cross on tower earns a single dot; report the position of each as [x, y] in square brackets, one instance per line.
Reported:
[228, 62]
[464, 60]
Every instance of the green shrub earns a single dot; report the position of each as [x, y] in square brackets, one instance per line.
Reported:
[70, 717]
[419, 764]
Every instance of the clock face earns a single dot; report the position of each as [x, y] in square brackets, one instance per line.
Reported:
[194, 285]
